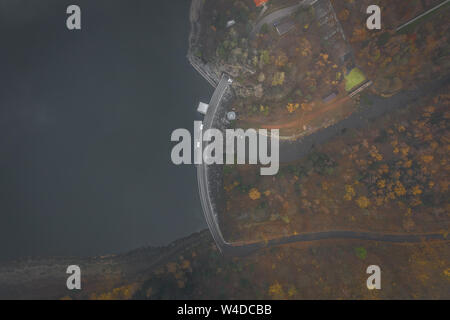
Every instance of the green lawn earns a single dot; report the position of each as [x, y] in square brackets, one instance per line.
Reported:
[355, 78]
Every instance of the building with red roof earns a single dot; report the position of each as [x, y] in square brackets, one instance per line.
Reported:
[259, 3]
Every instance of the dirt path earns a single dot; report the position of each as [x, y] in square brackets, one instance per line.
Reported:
[299, 122]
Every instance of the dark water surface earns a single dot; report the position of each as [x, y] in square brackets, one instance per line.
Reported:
[85, 124]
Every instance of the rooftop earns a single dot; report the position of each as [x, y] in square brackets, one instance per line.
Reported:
[259, 3]
[202, 107]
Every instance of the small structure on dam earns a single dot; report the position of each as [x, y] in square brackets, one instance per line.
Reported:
[231, 116]
[202, 108]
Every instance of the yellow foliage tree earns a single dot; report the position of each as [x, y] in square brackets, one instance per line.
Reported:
[278, 79]
[399, 189]
[363, 202]
[349, 193]
[291, 107]
[381, 183]
[416, 190]
[281, 60]
[276, 291]
[254, 194]
[427, 158]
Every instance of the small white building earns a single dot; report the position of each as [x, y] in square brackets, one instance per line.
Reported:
[231, 23]
[202, 107]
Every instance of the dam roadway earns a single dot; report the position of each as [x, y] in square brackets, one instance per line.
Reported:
[297, 150]
[202, 175]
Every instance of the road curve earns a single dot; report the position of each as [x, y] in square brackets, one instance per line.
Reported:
[243, 249]
[289, 153]
[273, 17]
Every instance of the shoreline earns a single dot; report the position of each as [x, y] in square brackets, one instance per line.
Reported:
[159, 253]
[205, 70]
[45, 277]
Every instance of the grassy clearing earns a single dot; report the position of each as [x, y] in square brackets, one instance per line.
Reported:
[353, 79]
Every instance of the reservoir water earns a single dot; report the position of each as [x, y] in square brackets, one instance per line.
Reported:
[85, 124]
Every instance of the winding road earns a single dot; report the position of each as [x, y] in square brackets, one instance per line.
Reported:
[294, 150]
[273, 17]
[290, 151]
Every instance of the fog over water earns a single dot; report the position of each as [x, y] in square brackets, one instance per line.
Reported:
[85, 124]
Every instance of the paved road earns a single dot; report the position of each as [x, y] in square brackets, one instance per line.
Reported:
[297, 150]
[273, 17]
[422, 15]
[202, 176]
